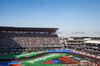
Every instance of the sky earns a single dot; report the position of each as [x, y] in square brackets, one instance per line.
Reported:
[67, 15]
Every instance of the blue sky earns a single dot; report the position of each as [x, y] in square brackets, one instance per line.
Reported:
[67, 15]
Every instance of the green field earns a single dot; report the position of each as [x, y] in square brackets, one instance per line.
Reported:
[46, 60]
[37, 61]
[19, 55]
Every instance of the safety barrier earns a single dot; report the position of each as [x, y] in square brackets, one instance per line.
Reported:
[87, 54]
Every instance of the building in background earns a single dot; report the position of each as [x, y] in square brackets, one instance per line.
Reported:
[85, 44]
[92, 47]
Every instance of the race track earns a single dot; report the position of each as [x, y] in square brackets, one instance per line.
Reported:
[42, 54]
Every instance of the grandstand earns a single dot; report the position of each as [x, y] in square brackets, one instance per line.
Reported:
[28, 39]
[79, 43]
[92, 47]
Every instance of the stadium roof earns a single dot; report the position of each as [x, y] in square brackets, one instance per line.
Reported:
[96, 42]
[50, 30]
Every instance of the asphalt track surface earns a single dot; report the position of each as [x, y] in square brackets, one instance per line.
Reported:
[42, 54]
